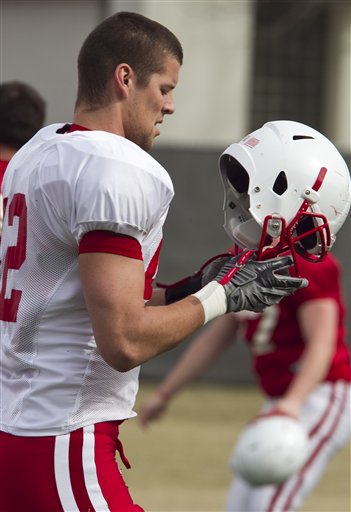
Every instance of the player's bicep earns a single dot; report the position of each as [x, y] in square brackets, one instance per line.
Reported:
[318, 321]
[111, 277]
[113, 288]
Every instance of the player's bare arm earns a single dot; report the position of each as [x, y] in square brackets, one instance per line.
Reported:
[158, 297]
[212, 341]
[318, 321]
[128, 333]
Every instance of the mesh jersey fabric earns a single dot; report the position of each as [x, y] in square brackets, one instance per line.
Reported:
[53, 378]
[3, 166]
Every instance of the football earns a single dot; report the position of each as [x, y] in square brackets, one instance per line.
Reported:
[270, 450]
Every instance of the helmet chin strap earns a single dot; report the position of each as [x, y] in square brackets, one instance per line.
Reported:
[286, 241]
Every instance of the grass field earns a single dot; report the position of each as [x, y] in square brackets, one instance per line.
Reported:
[180, 463]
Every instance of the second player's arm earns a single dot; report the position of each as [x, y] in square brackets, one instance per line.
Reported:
[318, 321]
[199, 356]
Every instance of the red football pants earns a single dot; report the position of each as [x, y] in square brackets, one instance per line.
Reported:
[66, 473]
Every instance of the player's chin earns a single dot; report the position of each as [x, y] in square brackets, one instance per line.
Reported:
[151, 142]
[146, 143]
[149, 145]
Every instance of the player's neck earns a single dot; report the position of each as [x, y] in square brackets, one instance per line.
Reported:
[106, 119]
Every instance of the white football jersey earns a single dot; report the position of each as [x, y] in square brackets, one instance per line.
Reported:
[59, 187]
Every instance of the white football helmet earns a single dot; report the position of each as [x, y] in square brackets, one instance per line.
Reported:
[270, 450]
[288, 183]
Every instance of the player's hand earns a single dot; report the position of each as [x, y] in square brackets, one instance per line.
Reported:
[152, 409]
[274, 411]
[191, 284]
[287, 407]
[253, 285]
[212, 267]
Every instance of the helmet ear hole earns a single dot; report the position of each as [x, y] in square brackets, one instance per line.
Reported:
[280, 184]
[236, 174]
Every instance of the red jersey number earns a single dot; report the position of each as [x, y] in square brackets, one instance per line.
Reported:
[14, 256]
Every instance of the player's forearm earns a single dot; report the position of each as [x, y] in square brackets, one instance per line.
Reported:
[197, 358]
[158, 298]
[200, 355]
[190, 367]
[143, 333]
[312, 371]
[318, 321]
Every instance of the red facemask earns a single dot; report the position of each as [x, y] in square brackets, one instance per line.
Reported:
[308, 234]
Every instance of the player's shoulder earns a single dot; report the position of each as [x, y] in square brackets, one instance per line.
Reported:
[110, 149]
[323, 278]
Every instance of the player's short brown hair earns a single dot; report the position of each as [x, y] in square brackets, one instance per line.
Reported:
[22, 113]
[123, 37]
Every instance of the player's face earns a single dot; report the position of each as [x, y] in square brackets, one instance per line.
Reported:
[149, 104]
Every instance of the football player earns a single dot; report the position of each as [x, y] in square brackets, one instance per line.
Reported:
[298, 347]
[85, 206]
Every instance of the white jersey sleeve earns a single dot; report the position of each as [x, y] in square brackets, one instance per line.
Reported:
[124, 190]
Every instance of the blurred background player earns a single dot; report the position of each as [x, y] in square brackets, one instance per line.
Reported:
[302, 365]
[22, 114]
[298, 347]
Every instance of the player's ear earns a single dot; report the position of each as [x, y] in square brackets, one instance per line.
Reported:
[123, 76]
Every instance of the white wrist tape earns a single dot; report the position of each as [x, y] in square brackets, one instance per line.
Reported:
[213, 300]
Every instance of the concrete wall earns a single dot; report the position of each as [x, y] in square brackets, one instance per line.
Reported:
[337, 87]
[40, 41]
